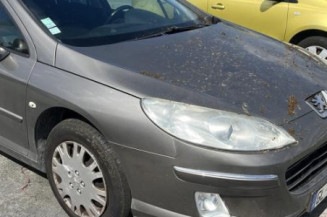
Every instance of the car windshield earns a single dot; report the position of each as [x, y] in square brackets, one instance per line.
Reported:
[98, 22]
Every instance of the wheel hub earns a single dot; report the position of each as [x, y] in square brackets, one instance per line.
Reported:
[76, 182]
[79, 180]
[319, 51]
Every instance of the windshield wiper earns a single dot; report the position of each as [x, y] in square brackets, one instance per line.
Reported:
[171, 30]
[176, 29]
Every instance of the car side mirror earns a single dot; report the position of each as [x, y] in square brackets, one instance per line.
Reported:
[20, 46]
[267, 4]
[3, 54]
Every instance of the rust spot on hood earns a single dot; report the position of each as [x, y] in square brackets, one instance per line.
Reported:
[152, 75]
[292, 105]
[291, 131]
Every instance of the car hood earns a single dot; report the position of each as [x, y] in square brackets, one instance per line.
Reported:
[222, 66]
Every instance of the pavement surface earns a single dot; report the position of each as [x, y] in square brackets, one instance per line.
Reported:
[24, 193]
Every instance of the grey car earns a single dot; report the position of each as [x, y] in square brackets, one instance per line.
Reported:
[154, 108]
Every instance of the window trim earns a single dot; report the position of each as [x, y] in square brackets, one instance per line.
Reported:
[28, 55]
[38, 22]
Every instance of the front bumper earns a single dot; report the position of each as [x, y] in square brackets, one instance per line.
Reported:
[160, 190]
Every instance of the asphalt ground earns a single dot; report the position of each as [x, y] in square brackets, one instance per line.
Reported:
[26, 193]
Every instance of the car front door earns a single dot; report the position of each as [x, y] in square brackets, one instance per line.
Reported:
[202, 4]
[16, 63]
[265, 16]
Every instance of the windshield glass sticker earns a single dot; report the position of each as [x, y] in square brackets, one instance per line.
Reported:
[48, 23]
[55, 31]
[51, 26]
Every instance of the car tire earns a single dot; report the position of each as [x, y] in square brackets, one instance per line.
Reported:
[81, 165]
[316, 45]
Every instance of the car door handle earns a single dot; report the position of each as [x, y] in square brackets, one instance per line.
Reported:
[218, 6]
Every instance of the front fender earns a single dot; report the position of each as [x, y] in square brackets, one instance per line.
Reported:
[118, 116]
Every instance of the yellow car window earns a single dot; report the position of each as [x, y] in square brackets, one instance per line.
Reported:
[154, 7]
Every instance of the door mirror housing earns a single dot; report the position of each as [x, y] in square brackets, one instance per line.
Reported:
[3, 53]
[20, 46]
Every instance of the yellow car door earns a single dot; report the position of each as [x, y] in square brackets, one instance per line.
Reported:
[265, 16]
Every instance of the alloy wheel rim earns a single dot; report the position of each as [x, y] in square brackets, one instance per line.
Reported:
[79, 179]
[319, 51]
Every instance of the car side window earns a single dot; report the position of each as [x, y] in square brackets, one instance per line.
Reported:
[10, 36]
[92, 3]
[161, 8]
[114, 4]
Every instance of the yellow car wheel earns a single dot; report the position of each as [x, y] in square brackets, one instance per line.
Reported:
[316, 45]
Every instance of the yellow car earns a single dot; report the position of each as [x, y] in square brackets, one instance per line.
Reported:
[300, 22]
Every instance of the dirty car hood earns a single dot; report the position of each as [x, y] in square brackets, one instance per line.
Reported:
[221, 66]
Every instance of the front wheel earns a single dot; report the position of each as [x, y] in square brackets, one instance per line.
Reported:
[84, 172]
[316, 45]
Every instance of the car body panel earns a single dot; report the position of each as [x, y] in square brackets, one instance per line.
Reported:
[237, 73]
[280, 20]
[263, 201]
[14, 74]
[268, 17]
[95, 104]
[203, 5]
[104, 85]
[306, 15]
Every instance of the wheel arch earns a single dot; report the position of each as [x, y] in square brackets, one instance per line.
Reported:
[307, 33]
[45, 123]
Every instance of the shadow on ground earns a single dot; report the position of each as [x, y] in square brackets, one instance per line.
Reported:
[24, 193]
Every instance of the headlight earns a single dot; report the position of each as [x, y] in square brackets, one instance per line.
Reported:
[215, 128]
